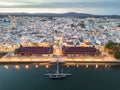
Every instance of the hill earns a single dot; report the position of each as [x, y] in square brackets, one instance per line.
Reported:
[73, 14]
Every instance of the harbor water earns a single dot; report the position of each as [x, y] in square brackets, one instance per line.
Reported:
[31, 77]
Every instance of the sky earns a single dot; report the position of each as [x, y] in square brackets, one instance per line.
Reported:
[61, 6]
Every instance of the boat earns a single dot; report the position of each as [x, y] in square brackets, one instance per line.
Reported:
[57, 74]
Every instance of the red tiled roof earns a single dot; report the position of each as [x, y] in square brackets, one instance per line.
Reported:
[34, 50]
[79, 50]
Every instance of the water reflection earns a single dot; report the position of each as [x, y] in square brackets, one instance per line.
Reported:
[77, 65]
[96, 66]
[67, 65]
[47, 66]
[106, 66]
[36, 66]
[26, 66]
[17, 67]
[6, 67]
[86, 66]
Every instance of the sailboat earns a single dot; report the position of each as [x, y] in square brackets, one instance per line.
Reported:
[57, 74]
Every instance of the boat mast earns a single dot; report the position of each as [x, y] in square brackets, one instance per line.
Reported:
[57, 71]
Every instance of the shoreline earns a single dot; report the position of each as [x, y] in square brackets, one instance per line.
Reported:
[71, 63]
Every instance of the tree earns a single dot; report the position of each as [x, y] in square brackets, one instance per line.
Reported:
[113, 49]
[117, 55]
[109, 45]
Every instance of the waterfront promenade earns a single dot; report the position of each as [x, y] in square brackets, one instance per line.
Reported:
[65, 60]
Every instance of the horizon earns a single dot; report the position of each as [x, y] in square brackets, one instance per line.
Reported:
[50, 14]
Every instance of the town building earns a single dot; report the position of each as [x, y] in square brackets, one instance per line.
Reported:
[25, 51]
[92, 51]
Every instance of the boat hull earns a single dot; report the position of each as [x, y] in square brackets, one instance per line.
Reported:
[57, 76]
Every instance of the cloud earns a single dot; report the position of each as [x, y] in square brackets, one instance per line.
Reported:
[11, 3]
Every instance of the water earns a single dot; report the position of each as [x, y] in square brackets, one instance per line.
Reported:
[82, 78]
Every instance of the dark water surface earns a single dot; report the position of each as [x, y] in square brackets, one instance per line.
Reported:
[82, 78]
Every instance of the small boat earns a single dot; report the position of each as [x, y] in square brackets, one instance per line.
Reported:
[57, 74]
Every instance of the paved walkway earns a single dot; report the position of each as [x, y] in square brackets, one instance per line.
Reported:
[54, 59]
